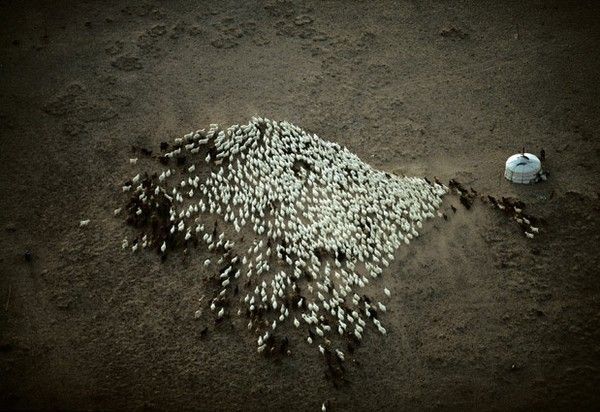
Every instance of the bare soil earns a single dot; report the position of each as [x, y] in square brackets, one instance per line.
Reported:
[480, 318]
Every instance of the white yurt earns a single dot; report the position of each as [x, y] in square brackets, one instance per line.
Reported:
[523, 168]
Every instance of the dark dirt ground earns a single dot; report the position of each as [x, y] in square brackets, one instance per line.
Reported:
[481, 317]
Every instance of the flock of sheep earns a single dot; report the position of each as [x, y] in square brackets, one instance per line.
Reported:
[297, 229]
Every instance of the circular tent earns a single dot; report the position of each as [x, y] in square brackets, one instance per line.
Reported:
[523, 168]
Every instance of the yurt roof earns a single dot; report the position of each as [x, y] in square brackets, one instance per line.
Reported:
[523, 163]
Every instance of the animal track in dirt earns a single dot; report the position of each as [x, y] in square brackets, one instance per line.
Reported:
[77, 106]
[350, 52]
[229, 32]
[293, 21]
[332, 66]
[377, 76]
[452, 32]
[261, 40]
[366, 40]
[147, 41]
[178, 30]
[143, 10]
[157, 40]
[114, 48]
[224, 43]
[196, 31]
[301, 26]
[127, 63]
[286, 9]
